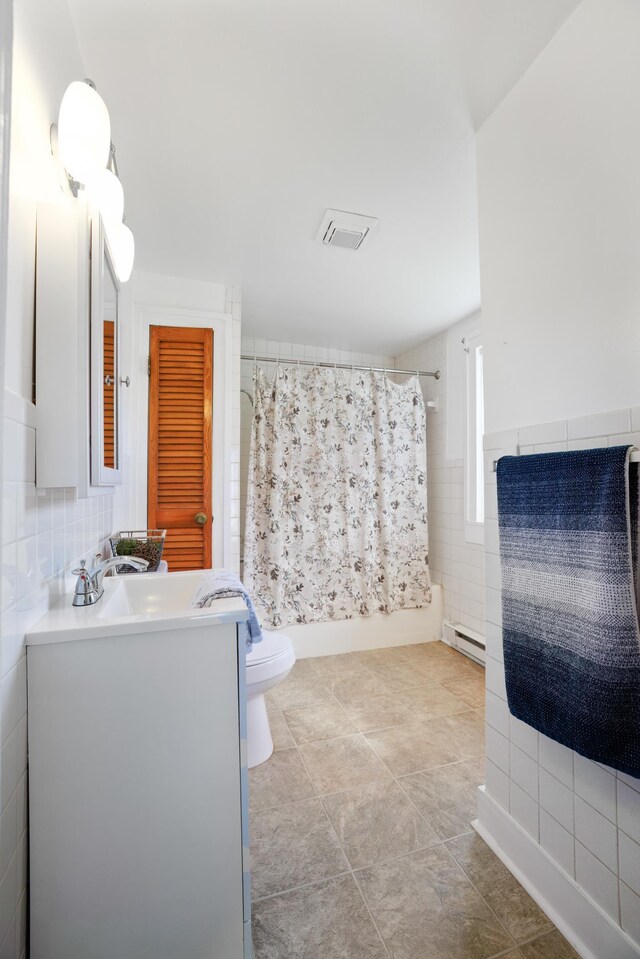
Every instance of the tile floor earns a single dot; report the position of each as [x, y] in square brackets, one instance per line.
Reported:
[361, 842]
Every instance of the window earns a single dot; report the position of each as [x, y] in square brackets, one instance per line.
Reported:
[474, 459]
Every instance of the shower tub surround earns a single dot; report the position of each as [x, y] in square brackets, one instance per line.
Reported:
[337, 498]
[315, 639]
[567, 827]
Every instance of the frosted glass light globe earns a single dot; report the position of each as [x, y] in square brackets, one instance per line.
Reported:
[105, 190]
[84, 132]
[123, 250]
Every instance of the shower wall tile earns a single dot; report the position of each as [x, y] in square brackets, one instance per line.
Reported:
[630, 912]
[588, 814]
[558, 842]
[598, 881]
[524, 809]
[497, 783]
[629, 810]
[454, 563]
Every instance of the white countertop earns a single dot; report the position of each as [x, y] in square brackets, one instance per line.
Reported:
[166, 598]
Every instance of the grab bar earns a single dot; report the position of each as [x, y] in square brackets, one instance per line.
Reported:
[633, 458]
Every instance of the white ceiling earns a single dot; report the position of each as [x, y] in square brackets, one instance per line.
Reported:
[237, 122]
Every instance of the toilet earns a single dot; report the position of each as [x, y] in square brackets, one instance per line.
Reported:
[268, 664]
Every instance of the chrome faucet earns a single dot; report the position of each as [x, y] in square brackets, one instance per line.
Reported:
[89, 585]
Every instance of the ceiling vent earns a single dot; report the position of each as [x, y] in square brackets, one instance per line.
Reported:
[347, 230]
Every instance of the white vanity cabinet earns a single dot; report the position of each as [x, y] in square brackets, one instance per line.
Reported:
[138, 793]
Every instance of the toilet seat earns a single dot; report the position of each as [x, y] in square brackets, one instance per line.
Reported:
[273, 644]
[270, 658]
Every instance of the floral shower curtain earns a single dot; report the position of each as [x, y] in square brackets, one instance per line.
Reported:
[336, 502]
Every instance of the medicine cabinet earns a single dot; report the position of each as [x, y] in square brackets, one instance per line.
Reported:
[105, 357]
[77, 364]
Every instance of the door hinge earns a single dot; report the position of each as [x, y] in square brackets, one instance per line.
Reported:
[149, 365]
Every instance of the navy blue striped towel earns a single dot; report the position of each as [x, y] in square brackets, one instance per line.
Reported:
[568, 550]
[220, 584]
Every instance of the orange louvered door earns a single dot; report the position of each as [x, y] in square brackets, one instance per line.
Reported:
[180, 447]
[109, 393]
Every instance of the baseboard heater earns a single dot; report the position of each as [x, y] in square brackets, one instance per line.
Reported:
[464, 639]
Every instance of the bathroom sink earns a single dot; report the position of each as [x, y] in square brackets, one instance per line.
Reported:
[145, 594]
[132, 604]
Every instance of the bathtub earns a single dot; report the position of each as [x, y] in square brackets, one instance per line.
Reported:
[371, 632]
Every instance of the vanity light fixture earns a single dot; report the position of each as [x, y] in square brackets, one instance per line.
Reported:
[81, 141]
[84, 132]
[123, 250]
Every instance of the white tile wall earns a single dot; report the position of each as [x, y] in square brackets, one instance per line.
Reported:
[285, 351]
[585, 815]
[456, 564]
[44, 533]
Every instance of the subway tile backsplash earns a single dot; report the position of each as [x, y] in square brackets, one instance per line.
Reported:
[588, 814]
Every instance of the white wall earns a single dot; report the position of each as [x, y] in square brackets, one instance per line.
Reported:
[559, 203]
[559, 208]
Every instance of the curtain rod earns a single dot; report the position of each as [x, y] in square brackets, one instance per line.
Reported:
[339, 366]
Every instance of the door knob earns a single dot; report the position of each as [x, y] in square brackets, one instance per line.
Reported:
[200, 518]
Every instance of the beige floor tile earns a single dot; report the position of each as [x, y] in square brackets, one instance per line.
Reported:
[431, 650]
[447, 796]
[342, 763]
[471, 691]
[282, 738]
[379, 712]
[434, 652]
[520, 915]
[399, 676]
[552, 946]
[461, 733]
[357, 688]
[281, 779]
[334, 666]
[446, 669]
[409, 748]
[322, 721]
[426, 908]
[428, 702]
[301, 692]
[387, 656]
[328, 920]
[302, 669]
[292, 845]
[377, 822]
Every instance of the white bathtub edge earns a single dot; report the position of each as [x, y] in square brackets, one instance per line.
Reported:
[400, 628]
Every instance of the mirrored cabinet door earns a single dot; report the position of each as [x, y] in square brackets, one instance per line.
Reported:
[105, 378]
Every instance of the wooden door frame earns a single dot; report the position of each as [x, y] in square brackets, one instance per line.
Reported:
[222, 326]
